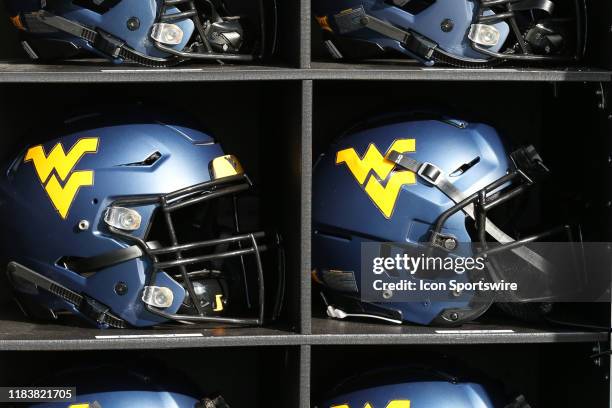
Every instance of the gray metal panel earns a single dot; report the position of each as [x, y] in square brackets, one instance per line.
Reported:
[305, 372]
[409, 71]
[306, 183]
[327, 331]
[97, 71]
[305, 34]
[26, 335]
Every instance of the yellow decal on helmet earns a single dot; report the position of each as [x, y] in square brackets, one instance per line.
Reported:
[384, 197]
[55, 171]
[399, 404]
[391, 404]
[85, 405]
[324, 23]
[16, 20]
[225, 166]
[218, 303]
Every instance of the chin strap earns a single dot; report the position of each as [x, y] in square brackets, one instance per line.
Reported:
[420, 47]
[42, 21]
[84, 304]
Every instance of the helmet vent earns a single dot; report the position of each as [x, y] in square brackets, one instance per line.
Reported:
[149, 161]
[465, 167]
[99, 6]
[412, 6]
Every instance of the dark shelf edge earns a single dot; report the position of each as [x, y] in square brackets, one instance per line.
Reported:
[33, 74]
[301, 340]
[131, 344]
[438, 339]
[380, 72]
[150, 75]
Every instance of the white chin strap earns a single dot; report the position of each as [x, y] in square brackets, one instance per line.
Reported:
[335, 313]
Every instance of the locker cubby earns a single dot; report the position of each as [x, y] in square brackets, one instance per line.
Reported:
[261, 375]
[535, 371]
[595, 58]
[286, 54]
[277, 116]
[538, 113]
[267, 142]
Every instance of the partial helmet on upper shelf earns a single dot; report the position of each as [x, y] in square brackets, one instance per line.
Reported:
[156, 33]
[464, 33]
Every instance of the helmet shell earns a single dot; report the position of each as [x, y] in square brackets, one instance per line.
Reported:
[112, 20]
[427, 23]
[431, 394]
[36, 235]
[122, 387]
[345, 215]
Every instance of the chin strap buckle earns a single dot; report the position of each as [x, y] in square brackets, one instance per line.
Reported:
[109, 45]
[217, 402]
[93, 309]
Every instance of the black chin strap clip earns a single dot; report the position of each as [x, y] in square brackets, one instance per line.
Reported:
[528, 160]
[93, 309]
[519, 402]
[108, 45]
[217, 402]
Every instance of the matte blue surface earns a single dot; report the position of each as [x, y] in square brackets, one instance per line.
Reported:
[341, 208]
[427, 394]
[35, 235]
[115, 21]
[121, 387]
[129, 399]
[427, 23]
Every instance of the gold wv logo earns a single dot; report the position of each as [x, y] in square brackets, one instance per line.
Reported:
[373, 164]
[55, 171]
[391, 404]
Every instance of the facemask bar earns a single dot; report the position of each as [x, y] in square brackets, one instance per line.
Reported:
[249, 244]
[489, 198]
[42, 21]
[216, 22]
[509, 16]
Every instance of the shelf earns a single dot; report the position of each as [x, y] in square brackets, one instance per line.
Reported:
[85, 71]
[330, 332]
[20, 334]
[408, 71]
[93, 70]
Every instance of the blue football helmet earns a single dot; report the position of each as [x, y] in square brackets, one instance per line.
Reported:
[420, 180]
[122, 387]
[134, 220]
[156, 33]
[465, 33]
[411, 387]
